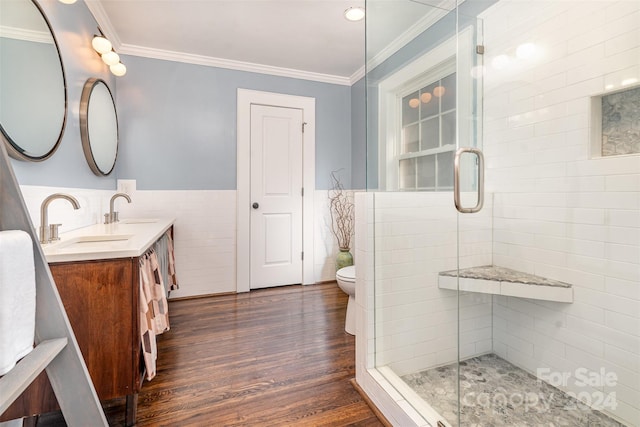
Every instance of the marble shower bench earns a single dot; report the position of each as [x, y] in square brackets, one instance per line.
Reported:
[490, 279]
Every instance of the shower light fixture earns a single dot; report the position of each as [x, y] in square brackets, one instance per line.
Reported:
[354, 13]
[104, 48]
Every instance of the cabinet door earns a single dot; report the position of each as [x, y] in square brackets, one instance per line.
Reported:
[100, 298]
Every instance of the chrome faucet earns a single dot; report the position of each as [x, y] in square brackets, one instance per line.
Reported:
[49, 232]
[112, 216]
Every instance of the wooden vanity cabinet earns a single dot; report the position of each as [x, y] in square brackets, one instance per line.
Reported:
[101, 299]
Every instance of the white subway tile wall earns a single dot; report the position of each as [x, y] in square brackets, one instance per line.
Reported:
[205, 229]
[558, 212]
[206, 237]
[416, 323]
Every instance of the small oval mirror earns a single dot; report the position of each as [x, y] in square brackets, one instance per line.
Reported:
[98, 126]
[33, 93]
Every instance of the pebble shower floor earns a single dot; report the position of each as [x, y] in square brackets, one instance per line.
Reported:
[496, 393]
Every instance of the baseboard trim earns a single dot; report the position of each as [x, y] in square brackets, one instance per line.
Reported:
[188, 297]
[220, 294]
[326, 281]
[369, 402]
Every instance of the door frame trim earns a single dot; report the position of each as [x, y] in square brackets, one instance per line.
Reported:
[245, 98]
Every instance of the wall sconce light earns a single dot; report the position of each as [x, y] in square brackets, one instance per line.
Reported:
[101, 44]
[104, 48]
[118, 69]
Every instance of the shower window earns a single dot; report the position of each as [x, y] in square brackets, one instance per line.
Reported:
[418, 109]
[428, 135]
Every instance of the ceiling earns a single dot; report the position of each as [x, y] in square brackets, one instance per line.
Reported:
[309, 39]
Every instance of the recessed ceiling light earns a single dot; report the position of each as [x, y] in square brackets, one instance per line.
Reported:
[354, 13]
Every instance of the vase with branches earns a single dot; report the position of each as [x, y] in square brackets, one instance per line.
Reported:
[341, 209]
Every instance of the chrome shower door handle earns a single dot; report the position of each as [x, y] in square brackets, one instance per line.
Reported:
[456, 180]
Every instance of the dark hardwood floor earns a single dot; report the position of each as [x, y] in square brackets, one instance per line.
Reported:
[272, 357]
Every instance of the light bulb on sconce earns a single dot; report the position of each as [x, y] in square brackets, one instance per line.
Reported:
[118, 69]
[101, 45]
[110, 58]
[438, 91]
[104, 48]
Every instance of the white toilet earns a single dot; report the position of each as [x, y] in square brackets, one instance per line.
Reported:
[346, 278]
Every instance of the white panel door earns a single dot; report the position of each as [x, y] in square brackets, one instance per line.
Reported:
[276, 196]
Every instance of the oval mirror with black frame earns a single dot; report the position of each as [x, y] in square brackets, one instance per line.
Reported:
[98, 126]
[33, 91]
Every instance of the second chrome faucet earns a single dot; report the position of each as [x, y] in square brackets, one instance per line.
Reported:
[112, 216]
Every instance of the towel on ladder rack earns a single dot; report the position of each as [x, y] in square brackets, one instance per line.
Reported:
[154, 311]
[17, 297]
[166, 260]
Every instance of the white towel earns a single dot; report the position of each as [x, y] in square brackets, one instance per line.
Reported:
[17, 298]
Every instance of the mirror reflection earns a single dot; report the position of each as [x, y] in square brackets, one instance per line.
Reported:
[32, 85]
[98, 126]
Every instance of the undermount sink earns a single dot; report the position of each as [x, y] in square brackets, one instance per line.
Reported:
[98, 239]
[138, 221]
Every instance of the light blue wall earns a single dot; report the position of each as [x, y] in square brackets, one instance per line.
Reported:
[177, 121]
[178, 124]
[74, 27]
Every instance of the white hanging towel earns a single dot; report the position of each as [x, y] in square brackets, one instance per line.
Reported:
[17, 297]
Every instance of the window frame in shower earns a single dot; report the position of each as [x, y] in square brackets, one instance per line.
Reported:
[433, 76]
[413, 76]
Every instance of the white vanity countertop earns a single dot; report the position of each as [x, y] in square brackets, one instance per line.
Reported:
[131, 237]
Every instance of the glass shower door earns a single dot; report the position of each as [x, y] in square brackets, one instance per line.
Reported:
[422, 105]
[526, 312]
[559, 342]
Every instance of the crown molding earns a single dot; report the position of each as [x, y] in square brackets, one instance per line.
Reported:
[209, 61]
[26, 35]
[411, 33]
[360, 73]
[101, 17]
[443, 8]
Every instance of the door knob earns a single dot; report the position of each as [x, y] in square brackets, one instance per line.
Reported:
[255, 205]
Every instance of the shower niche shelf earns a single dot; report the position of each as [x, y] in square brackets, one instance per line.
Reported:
[491, 279]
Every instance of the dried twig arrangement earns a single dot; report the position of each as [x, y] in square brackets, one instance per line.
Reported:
[341, 208]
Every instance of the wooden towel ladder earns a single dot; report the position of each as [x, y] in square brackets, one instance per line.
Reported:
[56, 348]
